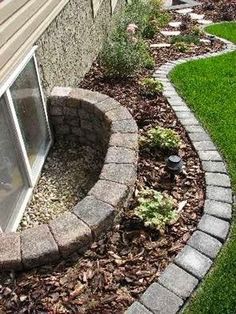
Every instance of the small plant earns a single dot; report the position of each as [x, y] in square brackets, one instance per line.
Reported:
[182, 46]
[197, 31]
[151, 86]
[162, 19]
[189, 39]
[186, 22]
[162, 138]
[156, 209]
[150, 30]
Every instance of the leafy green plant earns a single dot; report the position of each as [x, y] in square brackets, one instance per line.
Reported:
[150, 30]
[162, 138]
[182, 46]
[189, 39]
[197, 31]
[156, 209]
[162, 18]
[151, 86]
[149, 62]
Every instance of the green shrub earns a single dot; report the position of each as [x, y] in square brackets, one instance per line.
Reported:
[148, 62]
[162, 19]
[162, 138]
[150, 30]
[155, 209]
[182, 46]
[189, 39]
[197, 31]
[151, 86]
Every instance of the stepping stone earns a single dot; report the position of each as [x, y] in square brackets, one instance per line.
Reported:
[204, 22]
[195, 16]
[205, 41]
[184, 11]
[170, 33]
[175, 24]
[160, 45]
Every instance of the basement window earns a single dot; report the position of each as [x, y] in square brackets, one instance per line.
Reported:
[25, 139]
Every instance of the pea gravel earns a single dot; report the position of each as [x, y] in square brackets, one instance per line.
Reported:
[68, 174]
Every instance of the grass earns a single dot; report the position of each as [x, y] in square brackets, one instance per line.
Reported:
[209, 87]
[225, 30]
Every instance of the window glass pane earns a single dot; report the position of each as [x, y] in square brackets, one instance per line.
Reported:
[29, 110]
[11, 179]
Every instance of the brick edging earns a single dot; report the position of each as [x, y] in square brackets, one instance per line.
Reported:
[74, 231]
[182, 276]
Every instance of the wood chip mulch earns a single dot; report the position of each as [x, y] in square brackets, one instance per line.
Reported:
[122, 264]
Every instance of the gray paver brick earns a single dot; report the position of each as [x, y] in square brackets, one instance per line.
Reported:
[178, 281]
[205, 244]
[214, 166]
[121, 173]
[120, 155]
[70, 233]
[96, 214]
[160, 300]
[218, 179]
[218, 209]
[193, 261]
[137, 308]
[216, 227]
[204, 146]
[10, 251]
[124, 126]
[199, 136]
[217, 193]
[209, 155]
[128, 140]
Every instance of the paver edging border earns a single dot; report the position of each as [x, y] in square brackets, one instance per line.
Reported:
[180, 279]
[74, 231]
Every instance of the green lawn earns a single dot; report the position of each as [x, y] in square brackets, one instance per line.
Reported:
[209, 87]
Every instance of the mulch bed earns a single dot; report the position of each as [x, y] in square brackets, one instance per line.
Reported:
[120, 266]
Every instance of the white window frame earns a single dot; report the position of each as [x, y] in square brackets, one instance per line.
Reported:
[31, 174]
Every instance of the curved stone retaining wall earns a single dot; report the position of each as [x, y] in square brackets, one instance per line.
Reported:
[180, 279]
[96, 119]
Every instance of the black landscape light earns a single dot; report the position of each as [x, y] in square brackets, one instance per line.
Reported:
[212, 39]
[174, 165]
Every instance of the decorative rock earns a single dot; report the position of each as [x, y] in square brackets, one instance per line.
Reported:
[38, 247]
[175, 24]
[214, 166]
[195, 16]
[205, 244]
[160, 45]
[193, 262]
[216, 227]
[218, 179]
[160, 300]
[110, 192]
[96, 214]
[120, 173]
[137, 308]
[204, 22]
[216, 193]
[70, 233]
[170, 33]
[128, 140]
[10, 251]
[120, 155]
[218, 209]
[178, 281]
[184, 11]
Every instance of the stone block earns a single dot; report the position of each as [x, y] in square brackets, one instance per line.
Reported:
[219, 194]
[128, 140]
[70, 111]
[121, 155]
[120, 113]
[55, 111]
[137, 308]
[121, 173]
[62, 129]
[178, 281]
[10, 251]
[198, 137]
[214, 166]
[110, 192]
[183, 108]
[38, 247]
[218, 209]
[70, 233]
[216, 227]
[209, 155]
[107, 105]
[87, 96]
[205, 146]
[190, 121]
[184, 115]
[194, 129]
[217, 179]
[205, 244]
[124, 126]
[160, 300]
[96, 214]
[193, 262]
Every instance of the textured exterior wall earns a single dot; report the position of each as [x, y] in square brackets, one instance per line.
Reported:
[68, 47]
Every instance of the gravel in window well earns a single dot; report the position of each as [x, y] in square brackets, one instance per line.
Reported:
[68, 174]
